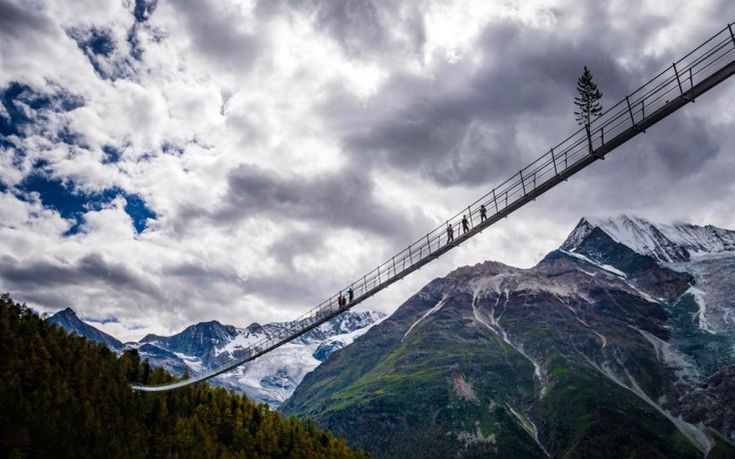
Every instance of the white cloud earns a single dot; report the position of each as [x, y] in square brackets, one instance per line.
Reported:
[209, 87]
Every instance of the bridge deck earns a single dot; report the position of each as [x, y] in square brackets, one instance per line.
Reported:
[696, 73]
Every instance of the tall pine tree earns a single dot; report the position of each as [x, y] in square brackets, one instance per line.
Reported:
[588, 102]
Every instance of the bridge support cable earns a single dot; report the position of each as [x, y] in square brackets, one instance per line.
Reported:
[705, 67]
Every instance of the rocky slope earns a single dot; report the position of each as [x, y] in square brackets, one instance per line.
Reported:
[612, 346]
[270, 379]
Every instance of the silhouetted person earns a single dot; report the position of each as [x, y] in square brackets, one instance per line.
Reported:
[465, 224]
[450, 233]
[350, 294]
[483, 213]
[341, 300]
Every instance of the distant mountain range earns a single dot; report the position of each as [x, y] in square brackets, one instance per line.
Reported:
[270, 379]
[621, 343]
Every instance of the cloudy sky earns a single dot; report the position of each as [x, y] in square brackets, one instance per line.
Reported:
[168, 162]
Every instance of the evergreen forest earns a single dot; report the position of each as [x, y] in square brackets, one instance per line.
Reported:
[65, 396]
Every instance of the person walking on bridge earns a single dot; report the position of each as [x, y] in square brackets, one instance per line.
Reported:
[350, 295]
[483, 213]
[450, 234]
[341, 301]
[465, 224]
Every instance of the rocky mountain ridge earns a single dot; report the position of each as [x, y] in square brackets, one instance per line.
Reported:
[663, 242]
[603, 349]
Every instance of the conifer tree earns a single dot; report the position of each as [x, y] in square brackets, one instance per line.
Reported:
[588, 102]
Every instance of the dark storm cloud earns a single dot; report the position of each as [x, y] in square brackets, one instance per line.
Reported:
[470, 135]
[201, 275]
[296, 243]
[16, 21]
[341, 199]
[216, 37]
[470, 126]
[283, 288]
[684, 145]
[270, 286]
[90, 270]
[677, 164]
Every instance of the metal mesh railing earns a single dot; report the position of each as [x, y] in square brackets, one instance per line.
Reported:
[674, 83]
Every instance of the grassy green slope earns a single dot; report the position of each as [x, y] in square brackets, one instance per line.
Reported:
[584, 414]
[432, 394]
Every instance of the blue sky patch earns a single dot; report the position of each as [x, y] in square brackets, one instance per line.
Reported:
[144, 9]
[17, 118]
[93, 42]
[138, 211]
[73, 204]
[15, 96]
[111, 154]
[172, 149]
[100, 43]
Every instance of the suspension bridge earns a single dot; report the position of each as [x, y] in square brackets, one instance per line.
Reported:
[683, 82]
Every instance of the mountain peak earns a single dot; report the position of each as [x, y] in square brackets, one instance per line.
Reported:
[69, 321]
[664, 242]
[67, 312]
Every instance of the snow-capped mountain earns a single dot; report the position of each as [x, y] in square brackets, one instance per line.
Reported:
[704, 253]
[68, 320]
[665, 243]
[271, 378]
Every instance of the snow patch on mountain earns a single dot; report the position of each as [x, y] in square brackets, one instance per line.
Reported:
[713, 292]
[520, 281]
[431, 311]
[702, 311]
[273, 377]
[194, 364]
[604, 267]
[242, 341]
[682, 364]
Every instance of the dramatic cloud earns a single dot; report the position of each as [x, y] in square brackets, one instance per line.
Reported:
[163, 163]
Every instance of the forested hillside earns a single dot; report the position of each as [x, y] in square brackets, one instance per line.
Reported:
[64, 396]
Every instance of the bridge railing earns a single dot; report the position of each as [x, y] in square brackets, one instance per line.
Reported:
[675, 82]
